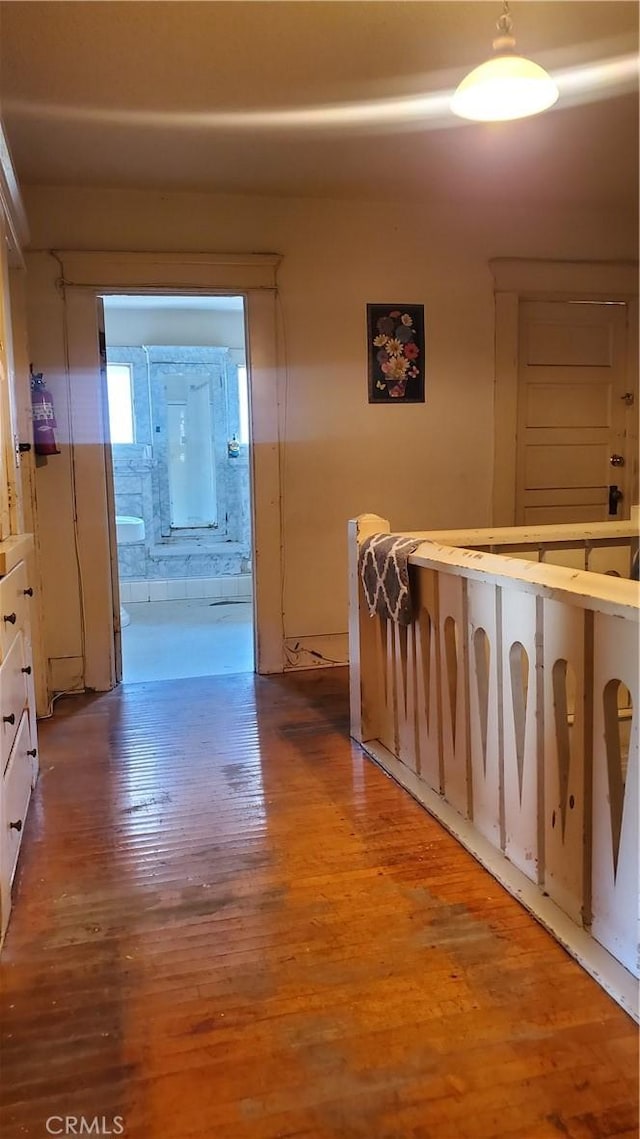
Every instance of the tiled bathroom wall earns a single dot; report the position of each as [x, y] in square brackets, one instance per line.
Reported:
[237, 587]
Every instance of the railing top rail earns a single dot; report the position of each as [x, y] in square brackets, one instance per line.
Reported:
[573, 533]
[612, 595]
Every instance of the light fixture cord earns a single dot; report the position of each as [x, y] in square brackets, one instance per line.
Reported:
[504, 23]
[504, 41]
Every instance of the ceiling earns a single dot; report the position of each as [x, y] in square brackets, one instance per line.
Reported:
[315, 98]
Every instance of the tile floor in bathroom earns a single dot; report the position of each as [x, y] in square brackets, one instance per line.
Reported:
[170, 640]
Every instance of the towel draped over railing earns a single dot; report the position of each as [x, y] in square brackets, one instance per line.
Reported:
[384, 572]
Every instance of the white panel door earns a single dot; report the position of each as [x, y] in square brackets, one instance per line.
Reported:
[573, 410]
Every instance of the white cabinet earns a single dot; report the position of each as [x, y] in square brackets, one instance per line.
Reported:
[18, 732]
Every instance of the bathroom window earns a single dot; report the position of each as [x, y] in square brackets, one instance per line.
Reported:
[243, 404]
[120, 397]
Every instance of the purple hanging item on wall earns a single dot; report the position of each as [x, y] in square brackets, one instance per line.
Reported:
[43, 415]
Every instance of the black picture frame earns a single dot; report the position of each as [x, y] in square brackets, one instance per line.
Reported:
[396, 353]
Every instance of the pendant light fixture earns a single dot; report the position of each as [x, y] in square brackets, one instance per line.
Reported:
[507, 86]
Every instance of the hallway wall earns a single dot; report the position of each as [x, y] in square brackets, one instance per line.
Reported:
[422, 466]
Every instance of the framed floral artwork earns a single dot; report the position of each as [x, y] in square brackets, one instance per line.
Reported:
[395, 351]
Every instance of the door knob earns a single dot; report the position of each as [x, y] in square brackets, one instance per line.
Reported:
[617, 460]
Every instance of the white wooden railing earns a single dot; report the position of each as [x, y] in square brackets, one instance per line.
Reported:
[509, 709]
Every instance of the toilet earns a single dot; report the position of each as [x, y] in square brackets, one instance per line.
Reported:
[129, 529]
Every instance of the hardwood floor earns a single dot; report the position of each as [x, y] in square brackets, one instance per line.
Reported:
[230, 924]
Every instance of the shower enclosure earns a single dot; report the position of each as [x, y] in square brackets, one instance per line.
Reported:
[186, 470]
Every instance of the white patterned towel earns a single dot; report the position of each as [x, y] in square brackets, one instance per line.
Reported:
[384, 571]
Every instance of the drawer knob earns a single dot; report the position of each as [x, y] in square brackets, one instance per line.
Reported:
[28, 592]
[33, 752]
[26, 670]
[17, 826]
[10, 719]
[9, 618]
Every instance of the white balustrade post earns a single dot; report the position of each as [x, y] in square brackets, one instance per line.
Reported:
[365, 663]
[615, 790]
[484, 710]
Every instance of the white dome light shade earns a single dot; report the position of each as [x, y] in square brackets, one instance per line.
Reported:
[505, 87]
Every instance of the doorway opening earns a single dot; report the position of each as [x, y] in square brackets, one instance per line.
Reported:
[179, 421]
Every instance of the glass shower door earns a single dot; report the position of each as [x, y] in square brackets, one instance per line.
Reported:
[191, 466]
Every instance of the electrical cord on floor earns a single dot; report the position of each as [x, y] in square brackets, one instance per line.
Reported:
[57, 695]
[321, 656]
[293, 655]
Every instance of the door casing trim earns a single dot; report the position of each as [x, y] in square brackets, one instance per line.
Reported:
[252, 276]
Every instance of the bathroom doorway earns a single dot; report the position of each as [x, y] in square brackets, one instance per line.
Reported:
[179, 422]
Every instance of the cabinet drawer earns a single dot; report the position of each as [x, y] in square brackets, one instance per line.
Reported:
[14, 694]
[16, 791]
[14, 614]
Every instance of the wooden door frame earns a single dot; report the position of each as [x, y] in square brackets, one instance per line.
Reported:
[518, 280]
[85, 277]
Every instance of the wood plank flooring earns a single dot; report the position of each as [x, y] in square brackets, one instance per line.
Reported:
[230, 924]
